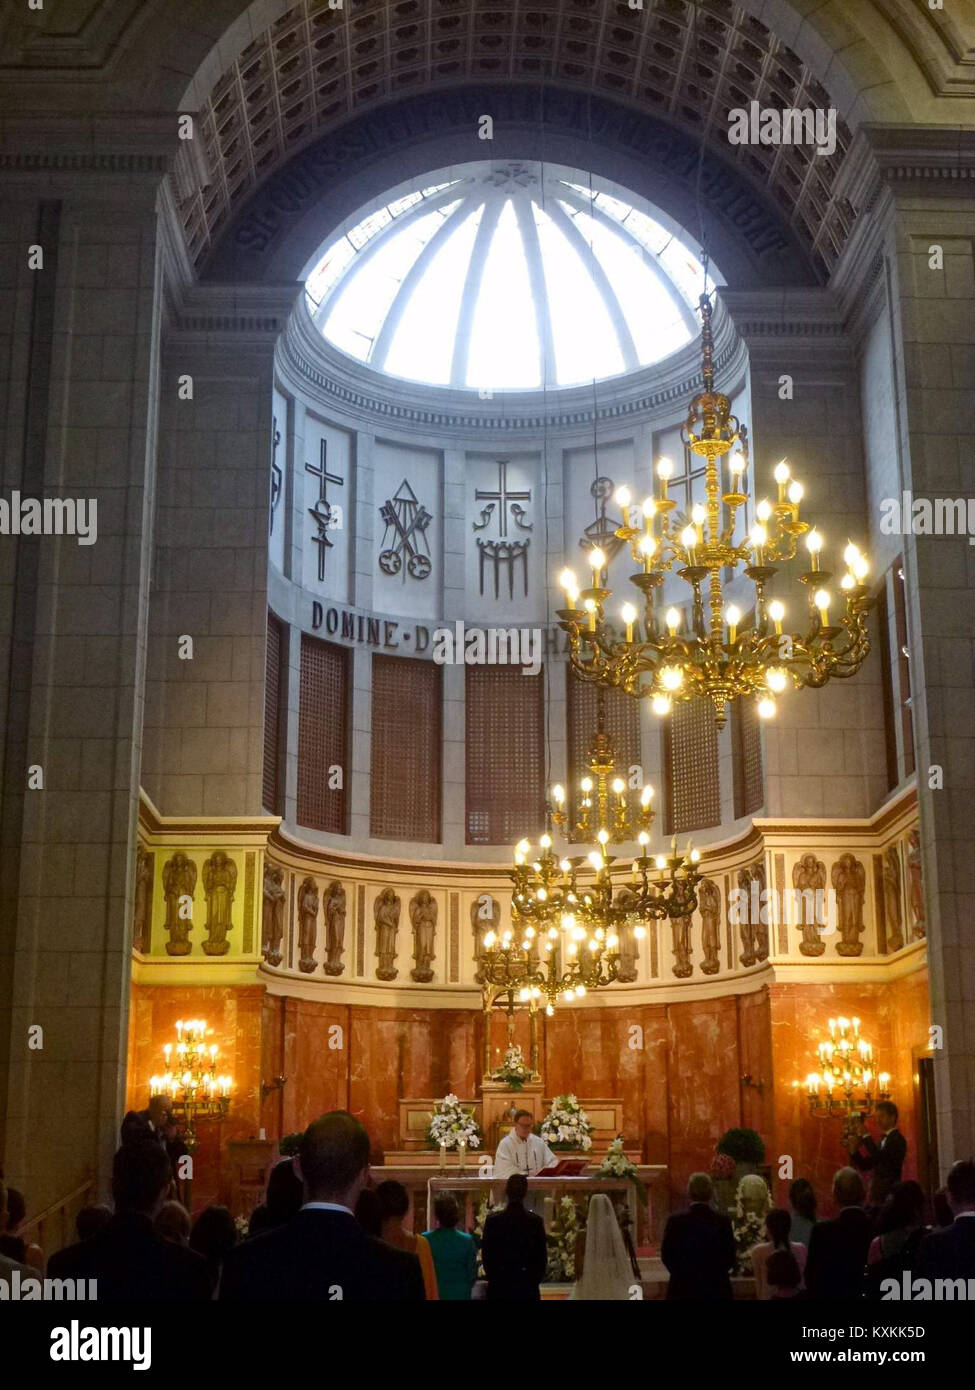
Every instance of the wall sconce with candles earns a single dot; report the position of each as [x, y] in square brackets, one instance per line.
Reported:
[191, 1080]
[846, 1068]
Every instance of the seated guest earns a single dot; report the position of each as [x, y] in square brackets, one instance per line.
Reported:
[322, 1252]
[802, 1200]
[901, 1230]
[950, 1254]
[14, 1246]
[943, 1215]
[126, 1257]
[214, 1233]
[173, 1223]
[838, 1248]
[7, 1264]
[282, 1200]
[92, 1219]
[454, 1253]
[778, 1224]
[369, 1212]
[698, 1247]
[784, 1275]
[394, 1204]
[514, 1250]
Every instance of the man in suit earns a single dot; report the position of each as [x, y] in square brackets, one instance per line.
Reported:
[950, 1254]
[323, 1253]
[884, 1160]
[126, 1257]
[838, 1248]
[514, 1249]
[698, 1248]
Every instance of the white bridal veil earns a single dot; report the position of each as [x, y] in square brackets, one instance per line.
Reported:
[606, 1270]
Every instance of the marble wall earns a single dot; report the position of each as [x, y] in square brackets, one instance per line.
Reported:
[678, 1068]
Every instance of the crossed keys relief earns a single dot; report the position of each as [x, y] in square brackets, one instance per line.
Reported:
[405, 537]
[502, 557]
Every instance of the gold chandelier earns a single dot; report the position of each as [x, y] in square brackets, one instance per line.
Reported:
[193, 1085]
[846, 1067]
[726, 653]
[565, 934]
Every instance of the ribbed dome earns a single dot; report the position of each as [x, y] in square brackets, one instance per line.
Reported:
[507, 276]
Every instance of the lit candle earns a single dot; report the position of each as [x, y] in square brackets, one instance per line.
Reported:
[814, 544]
[590, 607]
[758, 537]
[649, 512]
[737, 467]
[623, 502]
[646, 547]
[664, 470]
[598, 562]
[558, 794]
[776, 612]
[733, 618]
[781, 476]
[688, 539]
[795, 493]
[672, 619]
[629, 618]
[821, 600]
[698, 516]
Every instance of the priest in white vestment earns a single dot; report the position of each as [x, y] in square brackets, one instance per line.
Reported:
[520, 1151]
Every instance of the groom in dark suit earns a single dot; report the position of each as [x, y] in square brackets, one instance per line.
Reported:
[884, 1160]
[323, 1253]
[514, 1249]
[698, 1247]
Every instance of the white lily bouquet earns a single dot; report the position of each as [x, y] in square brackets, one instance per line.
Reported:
[617, 1165]
[452, 1126]
[562, 1238]
[514, 1070]
[566, 1126]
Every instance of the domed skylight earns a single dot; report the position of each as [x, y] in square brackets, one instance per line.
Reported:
[507, 276]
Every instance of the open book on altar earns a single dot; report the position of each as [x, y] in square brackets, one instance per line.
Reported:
[565, 1168]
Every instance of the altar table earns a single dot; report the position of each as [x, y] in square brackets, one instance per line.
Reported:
[583, 1185]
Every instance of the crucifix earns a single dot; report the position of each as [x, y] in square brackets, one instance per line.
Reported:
[505, 498]
[321, 512]
[276, 473]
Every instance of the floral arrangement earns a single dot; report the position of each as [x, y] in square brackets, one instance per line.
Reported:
[748, 1219]
[562, 1237]
[617, 1165]
[451, 1125]
[566, 1126]
[241, 1224]
[514, 1070]
[723, 1166]
[743, 1145]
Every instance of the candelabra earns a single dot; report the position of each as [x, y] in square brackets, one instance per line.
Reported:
[194, 1088]
[568, 913]
[845, 1061]
[722, 655]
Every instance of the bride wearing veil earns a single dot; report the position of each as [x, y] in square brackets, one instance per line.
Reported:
[606, 1270]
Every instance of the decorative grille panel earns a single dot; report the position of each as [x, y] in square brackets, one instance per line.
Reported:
[406, 720]
[505, 749]
[692, 789]
[323, 735]
[746, 744]
[275, 671]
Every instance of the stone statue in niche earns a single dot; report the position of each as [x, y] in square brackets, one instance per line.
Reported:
[629, 947]
[709, 901]
[307, 925]
[893, 899]
[752, 928]
[681, 927]
[179, 883]
[219, 884]
[485, 917]
[423, 916]
[916, 883]
[850, 882]
[272, 921]
[386, 910]
[143, 897]
[335, 928]
[809, 876]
